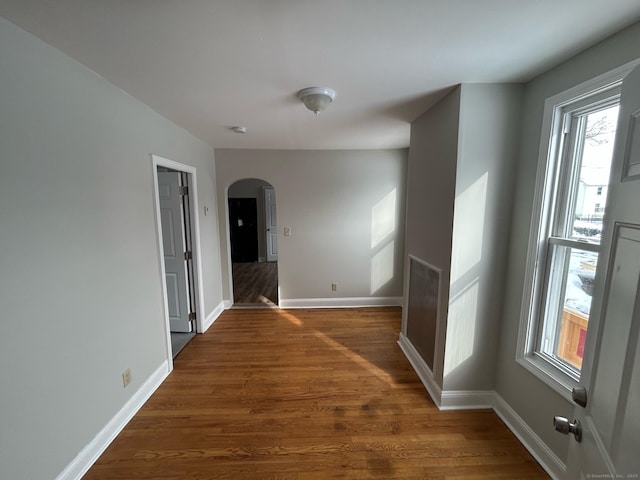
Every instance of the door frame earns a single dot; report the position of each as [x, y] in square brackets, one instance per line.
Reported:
[158, 161]
[267, 226]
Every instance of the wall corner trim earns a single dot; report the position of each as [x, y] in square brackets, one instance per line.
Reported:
[421, 368]
[92, 451]
[213, 316]
[344, 302]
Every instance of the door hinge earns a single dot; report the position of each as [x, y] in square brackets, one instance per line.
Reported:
[192, 316]
[188, 255]
[183, 191]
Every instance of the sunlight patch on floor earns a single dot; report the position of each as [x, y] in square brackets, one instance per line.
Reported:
[354, 357]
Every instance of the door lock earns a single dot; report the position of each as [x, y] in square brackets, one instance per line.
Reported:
[562, 425]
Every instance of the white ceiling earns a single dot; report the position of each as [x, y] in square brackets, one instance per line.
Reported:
[208, 65]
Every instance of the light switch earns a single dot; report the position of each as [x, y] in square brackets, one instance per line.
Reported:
[287, 231]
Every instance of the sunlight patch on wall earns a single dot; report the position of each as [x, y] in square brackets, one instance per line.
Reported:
[383, 218]
[382, 267]
[461, 327]
[468, 228]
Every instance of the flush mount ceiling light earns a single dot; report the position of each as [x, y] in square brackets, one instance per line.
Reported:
[316, 99]
[239, 129]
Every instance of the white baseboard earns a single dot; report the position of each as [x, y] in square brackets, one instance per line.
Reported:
[90, 453]
[346, 302]
[212, 317]
[467, 400]
[421, 369]
[531, 441]
[227, 304]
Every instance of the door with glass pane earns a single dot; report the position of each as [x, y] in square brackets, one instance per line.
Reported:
[607, 426]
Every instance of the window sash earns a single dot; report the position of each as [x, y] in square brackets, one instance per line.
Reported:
[568, 158]
[577, 244]
[552, 302]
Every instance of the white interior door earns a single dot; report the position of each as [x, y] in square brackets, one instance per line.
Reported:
[271, 224]
[610, 422]
[173, 241]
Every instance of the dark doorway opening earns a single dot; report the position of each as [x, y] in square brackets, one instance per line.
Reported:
[243, 220]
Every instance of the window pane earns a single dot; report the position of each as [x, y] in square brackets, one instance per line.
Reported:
[569, 304]
[595, 167]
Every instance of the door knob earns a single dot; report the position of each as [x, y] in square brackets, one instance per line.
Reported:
[579, 395]
[562, 425]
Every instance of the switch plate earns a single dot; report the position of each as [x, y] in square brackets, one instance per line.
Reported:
[287, 231]
[126, 377]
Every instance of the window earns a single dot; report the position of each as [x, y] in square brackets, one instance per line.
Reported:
[572, 237]
[570, 204]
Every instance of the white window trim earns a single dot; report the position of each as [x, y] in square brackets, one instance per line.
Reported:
[547, 372]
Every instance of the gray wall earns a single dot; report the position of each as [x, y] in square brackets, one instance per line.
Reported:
[487, 149]
[81, 286]
[460, 183]
[431, 181]
[328, 199]
[531, 399]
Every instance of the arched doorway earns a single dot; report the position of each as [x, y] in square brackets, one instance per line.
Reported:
[253, 240]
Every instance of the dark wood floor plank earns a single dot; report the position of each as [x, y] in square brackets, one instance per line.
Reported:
[303, 395]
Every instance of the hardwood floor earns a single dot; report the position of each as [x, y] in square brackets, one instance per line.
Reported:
[302, 395]
[255, 284]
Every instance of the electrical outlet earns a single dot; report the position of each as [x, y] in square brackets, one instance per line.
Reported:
[334, 287]
[126, 377]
